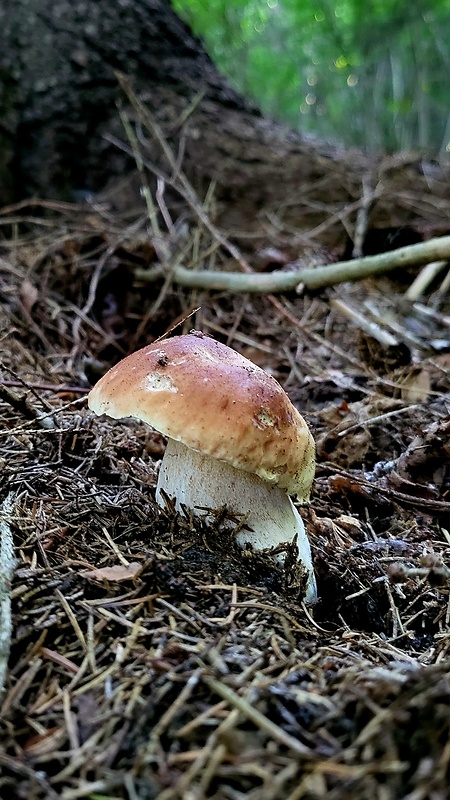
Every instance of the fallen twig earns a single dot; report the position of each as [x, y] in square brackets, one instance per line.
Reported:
[178, 179]
[363, 323]
[362, 217]
[421, 283]
[22, 405]
[311, 277]
[258, 719]
[7, 564]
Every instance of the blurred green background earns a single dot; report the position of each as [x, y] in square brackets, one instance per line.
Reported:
[370, 74]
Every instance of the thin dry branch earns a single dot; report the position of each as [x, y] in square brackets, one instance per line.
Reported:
[310, 278]
[360, 321]
[22, 405]
[177, 179]
[7, 564]
[423, 280]
[259, 719]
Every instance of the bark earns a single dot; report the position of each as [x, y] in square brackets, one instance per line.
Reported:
[59, 92]
[58, 104]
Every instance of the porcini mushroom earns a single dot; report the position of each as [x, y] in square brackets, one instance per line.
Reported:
[234, 437]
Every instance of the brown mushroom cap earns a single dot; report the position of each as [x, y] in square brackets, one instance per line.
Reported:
[209, 397]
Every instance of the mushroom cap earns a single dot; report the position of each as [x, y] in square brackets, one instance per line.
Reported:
[202, 393]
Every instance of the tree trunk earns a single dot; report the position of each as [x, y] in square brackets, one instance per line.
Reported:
[59, 95]
[59, 90]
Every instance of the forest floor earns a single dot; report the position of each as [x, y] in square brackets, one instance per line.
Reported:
[149, 657]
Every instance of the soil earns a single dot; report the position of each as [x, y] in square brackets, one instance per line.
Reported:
[150, 657]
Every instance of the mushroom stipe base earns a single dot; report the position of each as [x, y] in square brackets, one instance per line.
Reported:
[198, 482]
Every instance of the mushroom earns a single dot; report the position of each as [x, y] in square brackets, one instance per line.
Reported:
[234, 437]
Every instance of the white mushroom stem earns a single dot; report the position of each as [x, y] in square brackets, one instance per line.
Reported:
[198, 482]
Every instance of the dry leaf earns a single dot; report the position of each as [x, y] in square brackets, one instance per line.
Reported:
[44, 743]
[119, 572]
[416, 385]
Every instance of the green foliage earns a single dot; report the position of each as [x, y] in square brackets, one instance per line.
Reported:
[374, 74]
